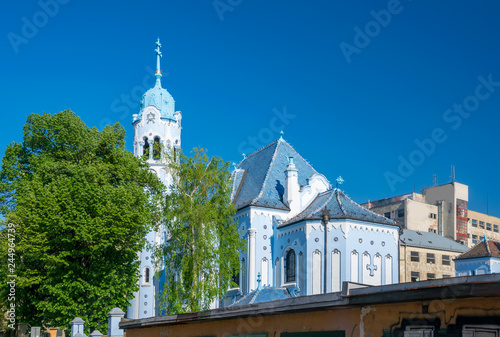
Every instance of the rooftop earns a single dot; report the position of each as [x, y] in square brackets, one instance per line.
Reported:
[485, 248]
[259, 178]
[340, 206]
[430, 240]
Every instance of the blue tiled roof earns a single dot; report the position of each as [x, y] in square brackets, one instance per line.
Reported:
[340, 207]
[430, 240]
[264, 294]
[263, 179]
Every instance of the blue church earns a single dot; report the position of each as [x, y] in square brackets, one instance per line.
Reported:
[303, 234]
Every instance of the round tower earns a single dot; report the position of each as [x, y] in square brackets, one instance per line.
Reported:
[157, 130]
[157, 126]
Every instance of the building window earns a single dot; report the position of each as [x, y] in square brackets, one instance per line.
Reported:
[401, 213]
[474, 238]
[414, 257]
[495, 228]
[432, 215]
[474, 223]
[387, 215]
[488, 226]
[146, 278]
[236, 280]
[446, 276]
[446, 260]
[415, 276]
[481, 224]
[290, 266]
[431, 258]
[431, 276]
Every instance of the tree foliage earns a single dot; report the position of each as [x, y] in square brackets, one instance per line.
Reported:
[202, 253]
[82, 206]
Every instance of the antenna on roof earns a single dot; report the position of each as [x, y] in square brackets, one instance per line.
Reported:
[452, 173]
[434, 180]
[487, 203]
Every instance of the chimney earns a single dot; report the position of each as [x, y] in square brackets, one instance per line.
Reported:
[291, 196]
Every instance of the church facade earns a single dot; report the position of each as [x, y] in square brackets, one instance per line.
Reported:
[303, 234]
[283, 208]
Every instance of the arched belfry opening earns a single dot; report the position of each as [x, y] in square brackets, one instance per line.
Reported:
[145, 149]
[157, 148]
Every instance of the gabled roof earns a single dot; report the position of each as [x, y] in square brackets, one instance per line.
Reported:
[340, 206]
[259, 179]
[430, 240]
[263, 294]
[486, 248]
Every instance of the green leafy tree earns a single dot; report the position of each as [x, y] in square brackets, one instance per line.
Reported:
[202, 253]
[82, 206]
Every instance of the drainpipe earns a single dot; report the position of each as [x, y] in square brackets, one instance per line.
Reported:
[325, 218]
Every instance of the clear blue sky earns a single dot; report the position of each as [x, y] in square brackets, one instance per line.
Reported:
[233, 69]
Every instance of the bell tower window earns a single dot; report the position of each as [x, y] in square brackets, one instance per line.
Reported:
[145, 151]
[157, 148]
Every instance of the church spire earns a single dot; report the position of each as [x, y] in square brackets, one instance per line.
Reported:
[158, 56]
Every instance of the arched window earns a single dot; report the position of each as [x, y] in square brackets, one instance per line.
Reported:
[147, 278]
[236, 279]
[290, 266]
[157, 148]
[145, 149]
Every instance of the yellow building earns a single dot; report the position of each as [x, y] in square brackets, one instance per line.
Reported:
[481, 225]
[427, 256]
[462, 306]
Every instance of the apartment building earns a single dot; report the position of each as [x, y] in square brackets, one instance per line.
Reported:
[427, 256]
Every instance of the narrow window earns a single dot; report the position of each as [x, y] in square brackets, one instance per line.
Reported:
[474, 239]
[488, 226]
[147, 279]
[387, 215]
[415, 276]
[481, 224]
[431, 276]
[431, 258]
[474, 223]
[290, 266]
[495, 228]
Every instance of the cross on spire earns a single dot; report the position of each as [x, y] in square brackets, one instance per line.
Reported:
[340, 181]
[158, 55]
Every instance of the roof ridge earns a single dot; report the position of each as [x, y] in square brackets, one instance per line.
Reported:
[336, 191]
[486, 242]
[380, 216]
[305, 160]
[324, 204]
[269, 170]
[259, 150]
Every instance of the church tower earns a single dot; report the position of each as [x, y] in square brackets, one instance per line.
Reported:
[157, 127]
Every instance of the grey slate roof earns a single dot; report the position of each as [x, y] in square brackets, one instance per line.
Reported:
[259, 179]
[430, 240]
[263, 294]
[340, 206]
